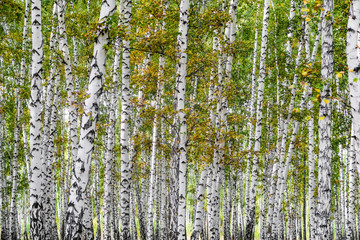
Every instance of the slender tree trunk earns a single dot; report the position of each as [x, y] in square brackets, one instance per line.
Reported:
[209, 185]
[14, 177]
[252, 110]
[219, 145]
[352, 51]
[125, 181]
[350, 221]
[96, 190]
[324, 191]
[50, 159]
[47, 196]
[36, 212]
[200, 197]
[150, 226]
[181, 89]
[250, 217]
[226, 210]
[304, 201]
[163, 162]
[64, 47]
[109, 155]
[264, 202]
[77, 207]
[15, 164]
[163, 172]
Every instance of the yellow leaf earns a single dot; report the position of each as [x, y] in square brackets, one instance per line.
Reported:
[307, 19]
[326, 101]
[339, 75]
[316, 89]
[308, 118]
[350, 70]
[322, 117]
[304, 73]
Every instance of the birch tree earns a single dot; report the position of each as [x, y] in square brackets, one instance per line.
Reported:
[125, 181]
[250, 217]
[36, 212]
[181, 88]
[75, 224]
[353, 62]
[324, 177]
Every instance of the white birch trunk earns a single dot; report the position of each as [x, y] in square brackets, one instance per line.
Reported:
[125, 181]
[36, 214]
[250, 216]
[350, 221]
[77, 206]
[208, 202]
[312, 178]
[150, 223]
[47, 197]
[181, 89]
[200, 197]
[14, 176]
[163, 173]
[109, 155]
[324, 177]
[353, 61]
[252, 109]
[50, 159]
[96, 190]
[290, 30]
[218, 152]
[209, 185]
[311, 156]
[18, 124]
[73, 126]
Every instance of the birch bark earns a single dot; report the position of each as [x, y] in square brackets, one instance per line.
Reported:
[109, 155]
[252, 109]
[15, 164]
[181, 89]
[64, 47]
[47, 196]
[311, 156]
[36, 212]
[200, 196]
[125, 181]
[250, 217]
[353, 61]
[150, 226]
[80, 180]
[350, 221]
[324, 190]
[14, 177]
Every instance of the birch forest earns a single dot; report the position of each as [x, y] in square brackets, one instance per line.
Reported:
[180, 119]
